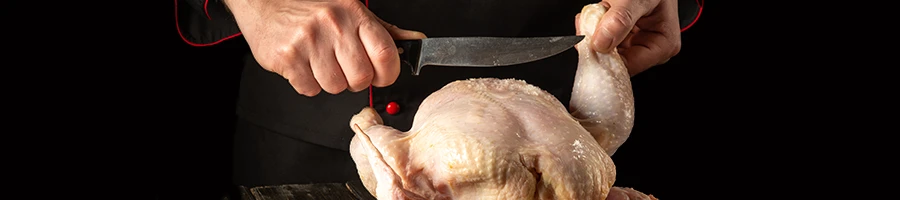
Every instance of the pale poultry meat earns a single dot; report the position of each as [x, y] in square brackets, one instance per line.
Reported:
[489, 138]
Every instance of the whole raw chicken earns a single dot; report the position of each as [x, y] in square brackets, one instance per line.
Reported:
[505, 139]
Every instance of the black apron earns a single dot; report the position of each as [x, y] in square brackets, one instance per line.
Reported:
[284, 137]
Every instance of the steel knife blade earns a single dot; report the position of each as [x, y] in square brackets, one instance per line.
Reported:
[480, 51]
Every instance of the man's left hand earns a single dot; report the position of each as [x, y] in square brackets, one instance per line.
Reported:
[646, 33]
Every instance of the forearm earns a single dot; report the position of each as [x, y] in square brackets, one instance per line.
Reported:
[204, 22]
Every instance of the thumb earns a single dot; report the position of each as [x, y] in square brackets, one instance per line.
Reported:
[614, 25]
[401, 34]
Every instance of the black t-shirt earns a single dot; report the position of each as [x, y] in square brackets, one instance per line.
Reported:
[268, 100]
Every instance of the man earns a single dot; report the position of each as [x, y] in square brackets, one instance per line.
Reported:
[312, 64]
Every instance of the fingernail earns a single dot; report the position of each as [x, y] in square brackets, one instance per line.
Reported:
[420, 34]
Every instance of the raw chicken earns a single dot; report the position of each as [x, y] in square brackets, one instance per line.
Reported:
[489, 138]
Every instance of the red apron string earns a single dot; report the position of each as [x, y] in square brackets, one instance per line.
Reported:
[700, 4]
[371, 103]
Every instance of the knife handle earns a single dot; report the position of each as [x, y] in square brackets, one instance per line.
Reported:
[409, 54]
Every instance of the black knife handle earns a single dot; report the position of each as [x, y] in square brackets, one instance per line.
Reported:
[409, 54]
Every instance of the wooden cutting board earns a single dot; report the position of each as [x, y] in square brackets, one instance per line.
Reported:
[321, 191]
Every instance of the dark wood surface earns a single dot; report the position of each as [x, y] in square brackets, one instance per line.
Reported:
[321, 191]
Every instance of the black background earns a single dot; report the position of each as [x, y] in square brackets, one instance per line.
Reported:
[681, 109]
[107, 101]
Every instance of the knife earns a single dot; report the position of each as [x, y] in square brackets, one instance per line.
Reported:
[480, 51]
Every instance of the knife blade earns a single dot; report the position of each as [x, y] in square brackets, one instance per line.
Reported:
[480, 51]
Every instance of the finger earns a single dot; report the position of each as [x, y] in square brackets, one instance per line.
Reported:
[327, 71]
[664, 21]
[626, 43]
[616, 23]
[291, 63]
[354, 61]
[663, 18]
[300, 76]
[382, 53]
[648, 49]
[401, 34]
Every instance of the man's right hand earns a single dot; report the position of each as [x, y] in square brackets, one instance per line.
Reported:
[317, 45]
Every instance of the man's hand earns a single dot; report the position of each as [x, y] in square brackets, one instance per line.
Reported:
[645, 32]
[320, 45]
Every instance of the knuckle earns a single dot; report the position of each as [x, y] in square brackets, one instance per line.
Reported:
[335, 87]
[676, 51]
[288, 73]
[676, 48]
[285, 52]
[356, 89]
[312, 91]
[330, 17]
[269, 65]
[328, 11]
[306, 34]
[386, 78]
[360, 81]
[624, 17]
[384, 54]
[302, 86]
[278, 63]
[355, 8]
